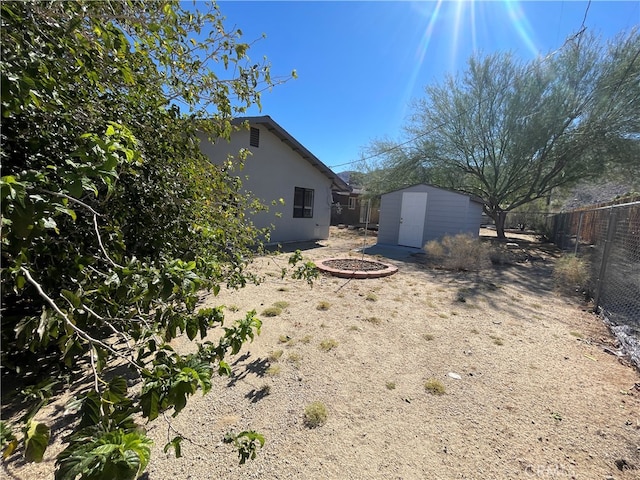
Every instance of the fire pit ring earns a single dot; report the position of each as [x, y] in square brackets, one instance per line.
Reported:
[356, 268]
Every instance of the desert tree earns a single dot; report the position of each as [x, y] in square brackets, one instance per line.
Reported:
[510, 132]
[113, 222]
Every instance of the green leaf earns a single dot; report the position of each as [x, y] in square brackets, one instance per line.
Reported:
[72, 298]
[150, 403]
[36, 441]
[90, 412]
[175, 444]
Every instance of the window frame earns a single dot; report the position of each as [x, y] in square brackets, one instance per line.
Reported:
[303, 202]
[352, 202]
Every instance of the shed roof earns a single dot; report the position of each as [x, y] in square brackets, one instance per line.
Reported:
[473, 198]
[270, 124]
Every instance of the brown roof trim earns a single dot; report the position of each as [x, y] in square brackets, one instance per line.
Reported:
[287, 138]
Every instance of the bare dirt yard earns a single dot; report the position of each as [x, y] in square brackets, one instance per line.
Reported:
[531, 385]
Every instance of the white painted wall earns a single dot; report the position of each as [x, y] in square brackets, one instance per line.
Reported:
[272, 172]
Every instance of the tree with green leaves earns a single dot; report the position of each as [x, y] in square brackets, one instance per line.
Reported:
[113, 221]
[510, 132]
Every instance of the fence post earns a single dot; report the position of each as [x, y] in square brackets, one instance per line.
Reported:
[575, 252]
[611, 230]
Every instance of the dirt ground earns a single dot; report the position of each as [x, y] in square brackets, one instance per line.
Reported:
[533, 388]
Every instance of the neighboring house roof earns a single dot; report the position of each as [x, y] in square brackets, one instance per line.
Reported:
[473, 198]
[296, 146]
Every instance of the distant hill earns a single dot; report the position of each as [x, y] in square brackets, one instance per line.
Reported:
[586, 194]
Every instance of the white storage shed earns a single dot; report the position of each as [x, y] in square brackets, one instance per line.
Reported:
[415, 215]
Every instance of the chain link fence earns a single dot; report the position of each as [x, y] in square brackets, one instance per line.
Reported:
[608, 238]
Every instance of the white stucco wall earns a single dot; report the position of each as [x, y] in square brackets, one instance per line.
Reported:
[272, 172]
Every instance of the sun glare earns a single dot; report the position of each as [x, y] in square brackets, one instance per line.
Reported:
[456, 29]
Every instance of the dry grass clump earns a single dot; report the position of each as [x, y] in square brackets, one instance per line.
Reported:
[459, 252]
[323, 306]
[273, 370]
[315, 414]
[275, 355]
[571, 272]
[373, 320]
[272, 311]
[434, 387]
[328, 344]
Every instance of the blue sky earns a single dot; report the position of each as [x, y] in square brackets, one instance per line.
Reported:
[360, 64]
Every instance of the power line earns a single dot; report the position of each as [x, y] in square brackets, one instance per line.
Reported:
[577, 35]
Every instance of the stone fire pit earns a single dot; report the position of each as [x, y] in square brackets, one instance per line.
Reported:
[356, 268]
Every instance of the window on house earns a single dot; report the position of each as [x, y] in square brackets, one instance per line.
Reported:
[303, 203]
[254, 137]
[352, 203]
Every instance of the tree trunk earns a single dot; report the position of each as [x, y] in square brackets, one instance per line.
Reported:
[500, 217]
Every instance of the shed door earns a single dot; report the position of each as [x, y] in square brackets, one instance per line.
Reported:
[412, 215]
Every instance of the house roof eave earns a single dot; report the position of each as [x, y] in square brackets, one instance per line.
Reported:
[336, 182]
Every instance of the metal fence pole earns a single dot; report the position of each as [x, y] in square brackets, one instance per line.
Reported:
[611, 230]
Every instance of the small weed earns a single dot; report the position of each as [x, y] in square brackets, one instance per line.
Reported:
[430, 304]
[434, 387]
[295, 358]
[496, 340]
[264, 390]
[273, 370]
[374, 320]
[391, 385]
[275, 355]
[281, 304]
[323, 306]
[576, 334]
[475, 331]
[443, 315]
[428, 336]
[284, 338]
[328, 344]
[460, 298]
[398, 299]
[372, 297]
[315, 415]
[283, 289]
[306, 339]
[354, 328]
[233, 308]
[272, 311]
[536, 305]
[556, 416]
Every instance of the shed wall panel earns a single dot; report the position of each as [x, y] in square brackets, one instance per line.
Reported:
[448, 213]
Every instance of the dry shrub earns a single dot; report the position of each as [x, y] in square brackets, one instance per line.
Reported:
[315, 415]
[571, 272]
[459, 252]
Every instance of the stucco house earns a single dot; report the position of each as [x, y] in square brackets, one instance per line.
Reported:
[280, 167]
[414, 215]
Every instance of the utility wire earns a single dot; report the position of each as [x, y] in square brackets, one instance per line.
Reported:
[574, 37]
